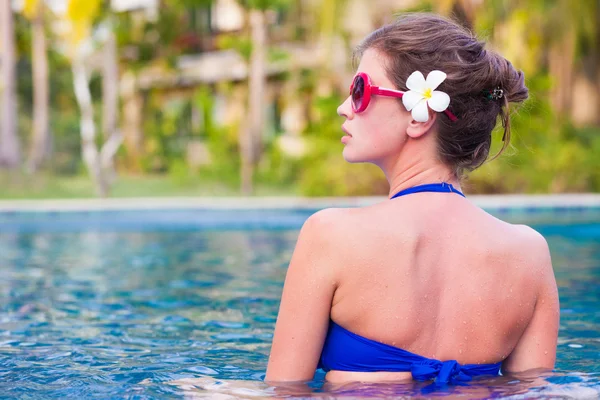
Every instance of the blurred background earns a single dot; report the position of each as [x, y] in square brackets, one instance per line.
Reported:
[134, 98]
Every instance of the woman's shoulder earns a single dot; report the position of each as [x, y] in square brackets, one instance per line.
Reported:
[522, 245]
[335, 228]
[520, 233]
[338, 219]
[330, 221]
[532, 246]
[522, 236]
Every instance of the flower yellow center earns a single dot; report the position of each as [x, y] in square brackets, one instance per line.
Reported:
[427, 93]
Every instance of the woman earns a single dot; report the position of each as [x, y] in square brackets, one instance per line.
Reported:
[426, 285]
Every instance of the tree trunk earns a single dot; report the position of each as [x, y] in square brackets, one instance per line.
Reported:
[585, 113]
[88, 130]
[133, 105]
[256, 94]
[246, 165]
[561, 67]
[40, 143]
[10, 151]
[110, 97]
[587, 82]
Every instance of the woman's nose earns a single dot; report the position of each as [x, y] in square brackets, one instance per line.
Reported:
[345, 109]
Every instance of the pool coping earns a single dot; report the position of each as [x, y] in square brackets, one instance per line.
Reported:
[513, 201]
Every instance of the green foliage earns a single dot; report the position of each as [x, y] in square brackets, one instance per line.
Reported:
[165, 132]
[547, 155]
[241, 44]
[276, 54]
[173, 33]
[191, 3]
[267, 4]
[276, 169]
[221, 141]
[168, 133]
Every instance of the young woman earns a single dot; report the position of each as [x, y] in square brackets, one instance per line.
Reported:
[425, 285]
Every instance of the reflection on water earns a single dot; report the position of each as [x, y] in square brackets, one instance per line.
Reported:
[165, 314]
[519, 386]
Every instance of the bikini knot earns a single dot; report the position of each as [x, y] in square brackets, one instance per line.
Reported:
[442, 371]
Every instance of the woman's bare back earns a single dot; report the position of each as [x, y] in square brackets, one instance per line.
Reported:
[437, 276]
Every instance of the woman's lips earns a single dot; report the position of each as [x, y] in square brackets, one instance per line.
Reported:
[346, 137]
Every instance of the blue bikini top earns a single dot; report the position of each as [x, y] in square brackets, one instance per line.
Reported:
[346, 351]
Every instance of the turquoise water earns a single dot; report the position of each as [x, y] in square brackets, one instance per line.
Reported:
[160, 304]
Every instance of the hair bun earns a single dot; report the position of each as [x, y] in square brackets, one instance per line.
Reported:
[511, 80]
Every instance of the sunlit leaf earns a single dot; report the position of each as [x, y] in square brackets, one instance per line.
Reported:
[83, 10]
[30, 8]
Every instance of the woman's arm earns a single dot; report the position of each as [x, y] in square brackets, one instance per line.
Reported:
[536, 348]
[308, 291]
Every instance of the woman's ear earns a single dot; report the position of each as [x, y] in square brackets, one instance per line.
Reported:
[417, 129]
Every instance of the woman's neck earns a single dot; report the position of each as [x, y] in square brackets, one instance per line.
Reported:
[418, 171]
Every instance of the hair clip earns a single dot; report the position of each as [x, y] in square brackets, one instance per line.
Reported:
[495, 94]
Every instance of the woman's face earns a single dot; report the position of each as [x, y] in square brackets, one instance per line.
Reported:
[379, 132]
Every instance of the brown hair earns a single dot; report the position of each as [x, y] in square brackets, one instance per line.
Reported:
[426, 42]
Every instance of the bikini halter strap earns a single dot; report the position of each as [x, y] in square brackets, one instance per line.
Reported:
[429, 187]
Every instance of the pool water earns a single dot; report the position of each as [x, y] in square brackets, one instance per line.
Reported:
[92, 305]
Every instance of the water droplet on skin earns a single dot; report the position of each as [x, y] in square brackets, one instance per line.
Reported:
[546, 352]
[464, 322]
[465, 338]
[460, 351]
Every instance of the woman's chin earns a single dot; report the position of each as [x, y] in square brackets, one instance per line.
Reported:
[351, 158]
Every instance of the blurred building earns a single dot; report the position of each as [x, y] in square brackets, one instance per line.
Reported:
[208, 66]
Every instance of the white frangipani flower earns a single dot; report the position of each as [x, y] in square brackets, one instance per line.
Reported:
[422, 94]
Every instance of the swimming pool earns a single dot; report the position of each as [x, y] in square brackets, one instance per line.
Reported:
[126, 303]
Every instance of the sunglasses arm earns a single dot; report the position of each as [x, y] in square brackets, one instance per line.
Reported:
[386, 92]
[399, 94]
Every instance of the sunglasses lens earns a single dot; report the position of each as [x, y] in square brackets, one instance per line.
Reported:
[358, 90]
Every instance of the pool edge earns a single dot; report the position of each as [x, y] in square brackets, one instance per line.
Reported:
[587, 200]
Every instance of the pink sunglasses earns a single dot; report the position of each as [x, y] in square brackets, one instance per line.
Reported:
[361, 91]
